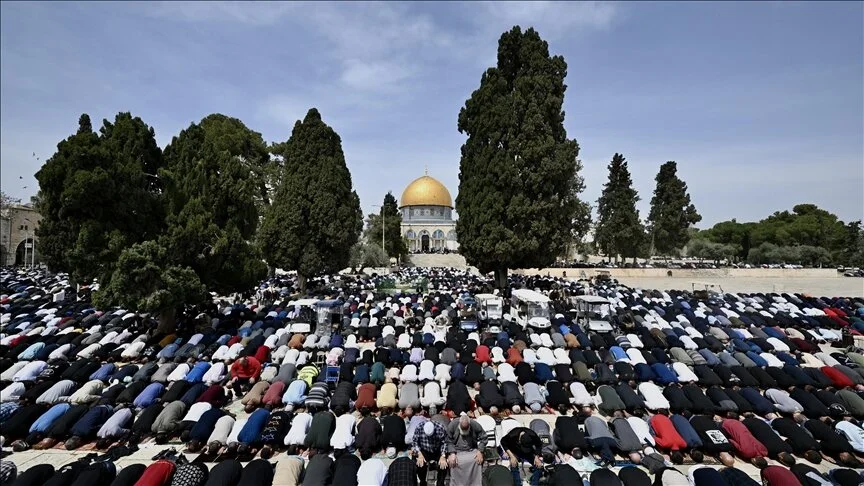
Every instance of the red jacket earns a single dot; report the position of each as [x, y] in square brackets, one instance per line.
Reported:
[366, 396]
[262, 354]
[779, 476]
[251, 370]
[837, 377]
[742, 440]
[665, 434]
[481, 354]
[514, 357]
[273, 396]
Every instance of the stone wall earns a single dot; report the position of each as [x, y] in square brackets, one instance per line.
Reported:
[695, 274]
[19, 224]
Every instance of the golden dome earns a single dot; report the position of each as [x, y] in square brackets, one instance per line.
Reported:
[426, 191]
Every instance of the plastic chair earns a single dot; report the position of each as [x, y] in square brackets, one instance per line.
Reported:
[331, 376]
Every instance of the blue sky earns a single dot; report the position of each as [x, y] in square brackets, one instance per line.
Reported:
[761, 104]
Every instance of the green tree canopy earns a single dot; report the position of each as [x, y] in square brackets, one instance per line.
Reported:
[806, 225]
[365, 254]
[315, 216]
[99, 195]
[519, 173]
[619, 230]
[394, 243]
[671, 213]
[211, 217]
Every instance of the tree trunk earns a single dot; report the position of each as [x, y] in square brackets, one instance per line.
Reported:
[501, 278]
[167, 321]
[301, 282]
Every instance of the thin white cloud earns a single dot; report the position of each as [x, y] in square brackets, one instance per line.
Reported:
[248, 13]
[374, 75]
[553, 18]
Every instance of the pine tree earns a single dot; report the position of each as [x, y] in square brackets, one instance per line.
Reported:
[619, 230]
[394, 243]
[315, 216]
[519, 173]
[671, 213]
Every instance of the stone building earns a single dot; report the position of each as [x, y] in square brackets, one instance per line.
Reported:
[18, 242]
[427, 216]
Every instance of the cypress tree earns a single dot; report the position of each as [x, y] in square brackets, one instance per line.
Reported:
[210, 198]
[619, 230]
[315, 216]
[99, 195]
[671, 213]
[394, 243]
[519, 173]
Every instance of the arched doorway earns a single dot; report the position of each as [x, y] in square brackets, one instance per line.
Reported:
[24, 252]
[424, 243]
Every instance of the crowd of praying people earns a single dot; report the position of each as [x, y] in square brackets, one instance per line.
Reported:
[392, 387]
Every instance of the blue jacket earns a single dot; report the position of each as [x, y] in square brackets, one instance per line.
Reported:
[104, 372]
[687, 432]
[149, 395]
[296, 393]
[644, 372]
[759, 402]
[618, 353]
[543, 372]
[759, 360]
[192, 394]
[457, 371]
[773, 332]
[169, 351]
[43, 423]
[89, 424]
[196, 374]
[204, 427]
[31, 352]
[361, 374]
[664, 374]
[125, 372]
[251, 432]
[710, 358]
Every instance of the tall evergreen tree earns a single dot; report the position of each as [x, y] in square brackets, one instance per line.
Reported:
[212, 214]
[619, 230]
[315, 217]
[98, 195]
[394, 243]
[671, 213]
[519, 173]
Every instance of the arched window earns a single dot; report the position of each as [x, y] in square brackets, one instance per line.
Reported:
[438, 235]
[451, 235]
[410, 235]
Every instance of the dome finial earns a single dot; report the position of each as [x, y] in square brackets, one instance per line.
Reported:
[426, 169]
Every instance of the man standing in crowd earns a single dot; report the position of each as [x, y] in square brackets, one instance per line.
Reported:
[466, 440]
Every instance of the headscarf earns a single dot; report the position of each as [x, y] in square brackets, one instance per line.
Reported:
[633, 476]
[604, 477]
[8, 472]
[194, 474]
